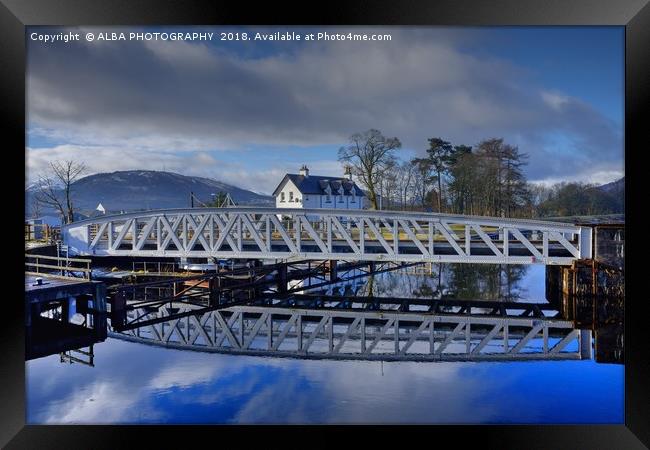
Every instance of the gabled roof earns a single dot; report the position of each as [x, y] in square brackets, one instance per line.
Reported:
[314, 184]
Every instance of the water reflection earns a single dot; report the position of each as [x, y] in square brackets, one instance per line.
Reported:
[135, 383]
[444, 281]
[67, 328]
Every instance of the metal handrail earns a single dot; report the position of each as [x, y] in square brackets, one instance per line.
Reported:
[60, 266]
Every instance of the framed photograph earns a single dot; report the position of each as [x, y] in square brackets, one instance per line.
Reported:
[377, 215]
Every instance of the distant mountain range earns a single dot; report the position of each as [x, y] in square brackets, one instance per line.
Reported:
[615, 187]
[616, 193]
[147, 189]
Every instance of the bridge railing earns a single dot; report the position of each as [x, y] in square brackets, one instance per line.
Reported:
[329, 234]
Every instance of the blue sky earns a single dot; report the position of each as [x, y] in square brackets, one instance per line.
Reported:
[247, 112]
[584, 62]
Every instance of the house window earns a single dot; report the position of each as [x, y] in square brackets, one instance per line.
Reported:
[328, 198]
[290, 196]
[282, 196]
[341, 198]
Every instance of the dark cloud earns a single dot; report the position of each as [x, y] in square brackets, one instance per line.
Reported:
[180, 96]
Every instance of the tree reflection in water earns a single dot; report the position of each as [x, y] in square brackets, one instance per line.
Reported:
[451, 281]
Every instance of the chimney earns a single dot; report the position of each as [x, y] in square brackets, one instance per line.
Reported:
[304, 171]
[348, 172]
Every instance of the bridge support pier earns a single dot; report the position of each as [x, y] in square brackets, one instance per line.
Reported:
[214, 284]
[65, 310]
[333, 269]
[118, 308]
[282, 278]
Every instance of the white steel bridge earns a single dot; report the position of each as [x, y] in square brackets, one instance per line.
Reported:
[321, 234]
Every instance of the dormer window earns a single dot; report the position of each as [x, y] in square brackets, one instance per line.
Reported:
[328, 194]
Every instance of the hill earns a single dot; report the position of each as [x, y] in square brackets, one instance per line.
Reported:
[615, 187]
[146, 189]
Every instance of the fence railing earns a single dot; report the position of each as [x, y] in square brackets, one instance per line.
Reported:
[42, 232]
[58, 266]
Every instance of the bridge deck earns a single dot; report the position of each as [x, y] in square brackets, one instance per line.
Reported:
[317, 234]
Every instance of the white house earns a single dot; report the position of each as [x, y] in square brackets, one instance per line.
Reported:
[311, 191]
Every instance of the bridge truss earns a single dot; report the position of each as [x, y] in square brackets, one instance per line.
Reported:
[319, 234]
[333, 333]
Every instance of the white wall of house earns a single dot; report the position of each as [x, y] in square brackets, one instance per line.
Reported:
[289, 197]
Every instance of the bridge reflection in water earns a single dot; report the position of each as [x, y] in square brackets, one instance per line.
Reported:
[341, 318]
[476, 331]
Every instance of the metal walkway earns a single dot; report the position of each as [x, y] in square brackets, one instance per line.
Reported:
[321, 234]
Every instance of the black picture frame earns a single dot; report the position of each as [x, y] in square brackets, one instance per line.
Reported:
[634, 15]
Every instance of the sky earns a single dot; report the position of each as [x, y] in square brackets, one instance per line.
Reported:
[247, 112]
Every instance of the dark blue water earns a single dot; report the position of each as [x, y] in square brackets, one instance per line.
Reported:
[136, 383]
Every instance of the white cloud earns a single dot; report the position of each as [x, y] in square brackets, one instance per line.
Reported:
[555, 100]
[150, 101]
[109, 159]
[598, 177]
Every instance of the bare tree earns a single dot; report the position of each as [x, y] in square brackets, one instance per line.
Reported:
[55, 188]
[423, 170]
[407, 184]
[390, 187]
[371, 155]
[35, 210]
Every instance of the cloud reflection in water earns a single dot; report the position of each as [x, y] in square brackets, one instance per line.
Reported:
[135, 383]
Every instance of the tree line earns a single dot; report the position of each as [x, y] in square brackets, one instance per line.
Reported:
[486, 179]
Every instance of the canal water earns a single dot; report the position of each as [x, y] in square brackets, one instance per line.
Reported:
[137, 383]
